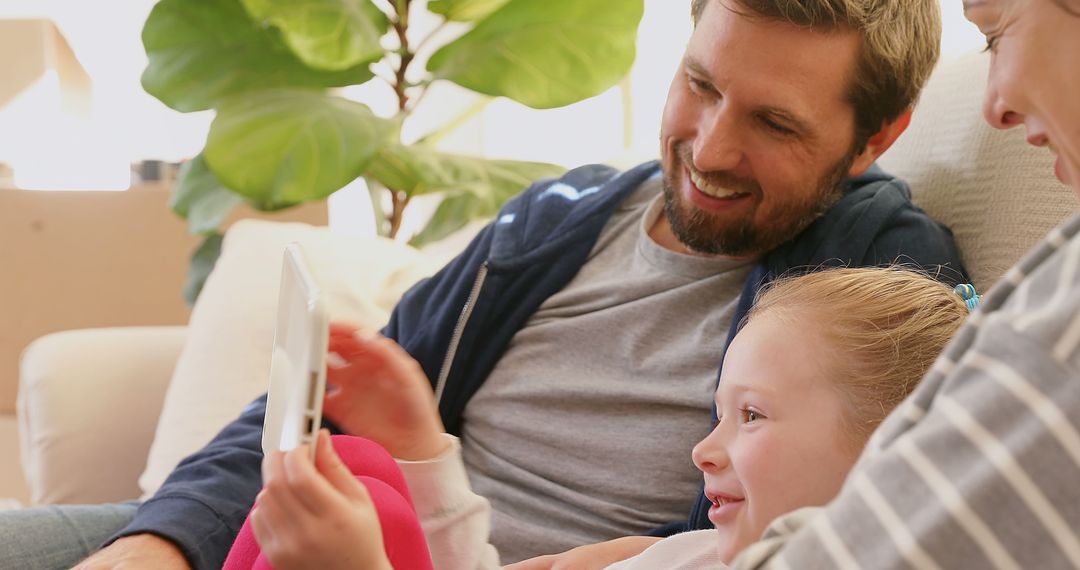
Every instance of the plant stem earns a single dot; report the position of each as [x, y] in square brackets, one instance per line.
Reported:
[401, 201]
[401, 26]
[439, 134]
[427, 39]
[398, 199]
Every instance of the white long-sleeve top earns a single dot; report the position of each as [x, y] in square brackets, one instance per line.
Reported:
[456, 522]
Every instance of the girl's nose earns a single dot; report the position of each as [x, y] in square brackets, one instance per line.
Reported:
[710, 454]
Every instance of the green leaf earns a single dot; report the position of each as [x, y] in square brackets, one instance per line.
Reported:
[285, 146]
[418, 170]
[453, 213]
[475, 188]
[465, 10]
[202, 262]
[326, 34]
[202, 51]
[200, 198]
[544, 54]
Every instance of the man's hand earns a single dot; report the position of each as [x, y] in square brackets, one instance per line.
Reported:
[381, 393]
[316, 516]
[590, 556]
[137, 551]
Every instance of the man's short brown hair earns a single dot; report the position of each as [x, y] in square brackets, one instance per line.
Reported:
[900, 45]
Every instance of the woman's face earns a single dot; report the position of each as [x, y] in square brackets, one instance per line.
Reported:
[1034, 73]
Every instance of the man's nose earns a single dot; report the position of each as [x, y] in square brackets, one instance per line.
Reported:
[718, 147]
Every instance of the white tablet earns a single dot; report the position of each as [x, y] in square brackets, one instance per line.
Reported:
[298, 364]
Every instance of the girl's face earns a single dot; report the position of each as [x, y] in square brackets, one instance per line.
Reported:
[1034, 74]
[780, 443]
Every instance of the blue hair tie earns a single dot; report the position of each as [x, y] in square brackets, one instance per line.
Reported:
[967, 293]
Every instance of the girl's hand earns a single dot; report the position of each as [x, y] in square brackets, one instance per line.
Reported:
[316, 516]
[381, 393]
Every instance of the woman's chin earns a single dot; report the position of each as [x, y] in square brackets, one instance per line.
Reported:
[1068, 173]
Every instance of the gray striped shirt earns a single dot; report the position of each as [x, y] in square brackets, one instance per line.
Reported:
[980, 467]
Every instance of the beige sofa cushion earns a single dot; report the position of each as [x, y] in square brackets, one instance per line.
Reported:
[14, 491]
[997, 193]
[88, 402]
[226, 360]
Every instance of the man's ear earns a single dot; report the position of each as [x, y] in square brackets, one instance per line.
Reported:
[879, 143]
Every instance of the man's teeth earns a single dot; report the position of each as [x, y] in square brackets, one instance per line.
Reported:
[714, 191]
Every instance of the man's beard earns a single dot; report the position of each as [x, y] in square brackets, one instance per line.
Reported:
[700, 232]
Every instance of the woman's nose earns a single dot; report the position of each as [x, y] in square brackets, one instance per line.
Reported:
[997, 111]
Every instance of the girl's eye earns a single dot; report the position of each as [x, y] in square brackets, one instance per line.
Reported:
[751, 415]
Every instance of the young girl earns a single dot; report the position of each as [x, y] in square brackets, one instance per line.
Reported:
[822, 360]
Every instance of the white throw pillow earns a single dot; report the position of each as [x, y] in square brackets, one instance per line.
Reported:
[226, 359]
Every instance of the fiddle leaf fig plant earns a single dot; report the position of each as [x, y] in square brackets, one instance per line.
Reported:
[282, 134]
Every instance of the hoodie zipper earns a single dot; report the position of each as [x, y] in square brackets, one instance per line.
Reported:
[459, 329]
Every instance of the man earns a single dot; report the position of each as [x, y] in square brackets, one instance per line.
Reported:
[574, 345]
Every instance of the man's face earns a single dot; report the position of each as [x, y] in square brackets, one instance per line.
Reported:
[757, 132]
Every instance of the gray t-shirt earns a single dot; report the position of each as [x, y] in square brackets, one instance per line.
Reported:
[583, 430]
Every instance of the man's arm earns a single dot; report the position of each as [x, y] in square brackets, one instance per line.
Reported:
[979, 467]
[138, 551]
[203, 503]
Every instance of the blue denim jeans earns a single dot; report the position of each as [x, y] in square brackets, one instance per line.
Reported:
[58, 537]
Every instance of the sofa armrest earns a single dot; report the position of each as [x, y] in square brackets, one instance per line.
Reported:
[88, 406]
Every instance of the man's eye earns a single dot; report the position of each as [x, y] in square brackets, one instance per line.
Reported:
[776, 127]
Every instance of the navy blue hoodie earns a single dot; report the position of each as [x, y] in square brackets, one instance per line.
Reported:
[458, 323]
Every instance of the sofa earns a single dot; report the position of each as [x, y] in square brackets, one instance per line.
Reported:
[104, 414]
[89, 259]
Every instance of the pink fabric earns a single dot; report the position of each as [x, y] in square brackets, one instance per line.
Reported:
[402, 537]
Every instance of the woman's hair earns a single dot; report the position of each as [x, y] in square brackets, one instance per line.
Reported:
[887, 326]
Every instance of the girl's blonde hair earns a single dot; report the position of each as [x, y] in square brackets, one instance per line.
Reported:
[887, 325]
